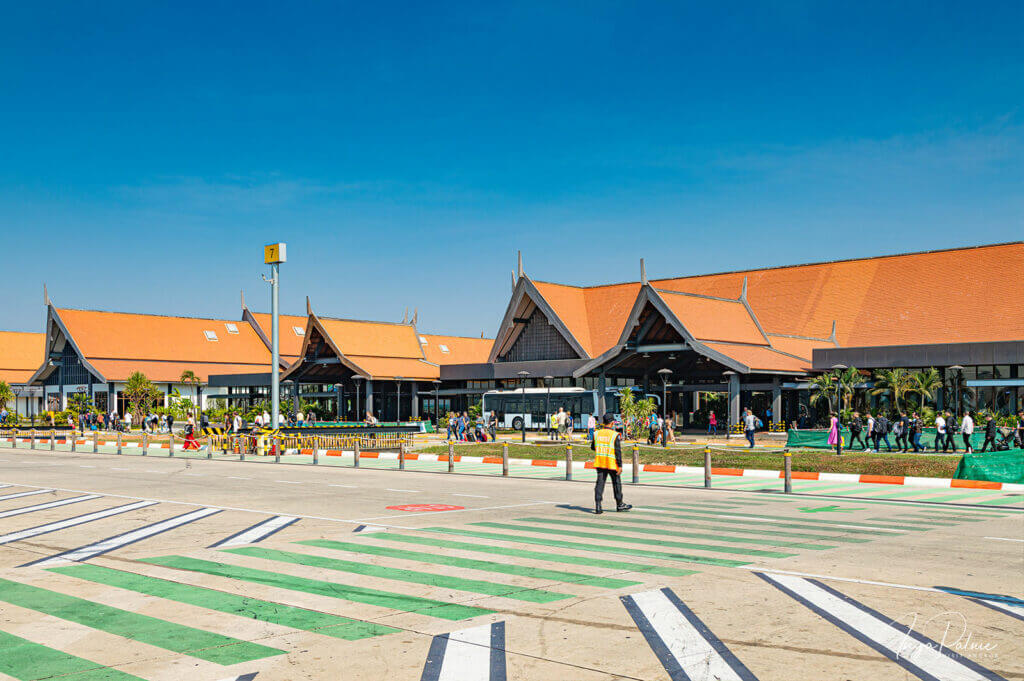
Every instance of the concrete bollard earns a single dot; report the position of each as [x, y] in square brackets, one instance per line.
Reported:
[209, 448]
[170, 445]
[74, 440]
[119, 443]
[401, 456]
[14, 437]
[356, 452]
[241, 448]
[145, 443]
[95, 442]
[636, 464]
[707, 467]
[451, 456]
[33, 445]
[788, 467]
[316, 451]
[53, 440]
[504, 459]
[568, 462]
[277, 449]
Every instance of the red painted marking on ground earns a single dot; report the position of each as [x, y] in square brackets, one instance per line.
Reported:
[543, 462]
[800, 475]
[883, 479]
[425, 507]
[976, 484]
[659, 468]
[727, 471]
[492, 459]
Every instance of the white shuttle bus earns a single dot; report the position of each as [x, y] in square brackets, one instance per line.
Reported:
[532, 405]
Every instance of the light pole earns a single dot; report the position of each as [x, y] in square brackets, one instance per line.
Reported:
[522, 377]
[839, 411]
[274, 255]
[547, 405]
[356, 379]
[960, 377]
[728, 409]
[398, 399]
[337, 392]
[665, 373]
[437, 400]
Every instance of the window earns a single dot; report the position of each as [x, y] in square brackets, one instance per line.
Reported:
[299, 331]
[232, 328]
[444, 348]
[210, 335]
[423, 340]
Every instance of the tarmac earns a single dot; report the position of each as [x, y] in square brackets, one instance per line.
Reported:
[161, 568]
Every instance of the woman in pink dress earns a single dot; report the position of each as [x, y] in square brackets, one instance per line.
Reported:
[833, 430]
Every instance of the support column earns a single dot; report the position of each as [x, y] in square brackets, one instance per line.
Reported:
[940, 395]
[415, 392]
[369, 399]
[601, 387]
[776, 400]
[734, 399]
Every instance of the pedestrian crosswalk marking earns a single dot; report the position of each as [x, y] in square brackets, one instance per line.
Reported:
[473, 564]
[47, 505]
[243, 606]
[476, 654]
[198, 643]
[599, 548]
[397, 574]
[72, 522]
[257, 532]
[18, 495]
[384, 599]
[686, 647]
[538, 555]
[638, 540]
[916, 653]
[124, 539]
[27, 661]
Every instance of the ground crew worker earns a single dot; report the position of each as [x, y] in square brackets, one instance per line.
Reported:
[607, 446]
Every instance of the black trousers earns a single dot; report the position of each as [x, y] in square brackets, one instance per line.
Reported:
[901, 442]
[951, 441]
[989, 440]
[856, 437]
[967, 442]
[603, 473]
[940, 441]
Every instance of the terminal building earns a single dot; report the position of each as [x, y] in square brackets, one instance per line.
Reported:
[750, 338]
[20, 355]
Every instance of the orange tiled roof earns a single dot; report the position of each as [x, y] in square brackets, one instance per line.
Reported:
[594, 316]
[761, 358]
[714, 318]
[170, 372]
[290, 343]
[390, 367]
[21, 354]
[801, 347]
[124, 336]
[953, 296]
[372, 339]
[461, 350]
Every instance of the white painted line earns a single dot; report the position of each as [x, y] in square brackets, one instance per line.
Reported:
[25, 494]
[411, 491]
[1013, 609]
[111, 543]
[910, 650]
[51, 504]
[288, 482]
[460, 510]
[475, 654]
[80, 466]
[71, 522]
[349, 486]
[808, 520]
[474, 496]
[119, 469]
[235, 477]
[686, 647]
[1005, 539]
[257, 532]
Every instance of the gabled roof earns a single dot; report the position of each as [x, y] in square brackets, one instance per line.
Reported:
[21, 353]
[761, 358]
[460, 349]
[715, 319]
[594, 316]
[289, 343]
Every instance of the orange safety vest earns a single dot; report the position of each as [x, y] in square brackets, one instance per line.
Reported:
[604, 449]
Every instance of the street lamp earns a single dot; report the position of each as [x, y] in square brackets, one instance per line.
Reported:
[356, 379]
[437, 399]
[398, 399]
[337, 392]
[665, 373]
[839, 411]
[959, 380]
[522, 377]
[728, 409]
[547, 405]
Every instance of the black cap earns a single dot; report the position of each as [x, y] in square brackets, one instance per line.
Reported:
[608, 418]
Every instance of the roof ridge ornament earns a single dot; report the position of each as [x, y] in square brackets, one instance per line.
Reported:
[832, 337]
[743, 291]
[46, 296]
[309, 307]
[242, 291]
[643, 273]
[519, 265]
[415, 316]
[405, 317]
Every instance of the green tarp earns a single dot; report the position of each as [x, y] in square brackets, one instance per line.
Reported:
[819, 439]
[1005, 466]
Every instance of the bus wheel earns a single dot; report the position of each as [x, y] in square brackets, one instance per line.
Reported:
[517, 423]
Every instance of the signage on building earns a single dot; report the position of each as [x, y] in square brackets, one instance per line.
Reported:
[274, 253]
[81, 389]
[27, 390]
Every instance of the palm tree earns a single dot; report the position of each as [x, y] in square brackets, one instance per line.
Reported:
[188, 377]
[897, 382]
[846, 379]
[823, 387]
[6, 394]
[926, 383]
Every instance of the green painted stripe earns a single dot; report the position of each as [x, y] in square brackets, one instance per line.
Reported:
[913, 521]
[636, 540]
[966, 495]
[536, 555]
[479, 586]
[603, 525]
[600, 548]
[814, 488]
[752, 523]
[204, 645]
[28, 661]
[472, 564]
[1012, 499]
[932, 517]
[899, 494]
[243, 606]
[809, 521]
[384, 599]
[756, 529]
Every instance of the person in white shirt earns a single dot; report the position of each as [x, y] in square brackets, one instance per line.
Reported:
[749, 426]
[871, 434]
[259, 420]
[127, 421]
[966, 428]
[940, 431]
[236, 423]
[591, 427]
[266, 418]
[280, 420]
[300, 418]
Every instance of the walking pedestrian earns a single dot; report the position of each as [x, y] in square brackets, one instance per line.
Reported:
[607, 448]
[492, 426]
[951, 428]
[833, 430]
[750, 426]
[940, 431]
[856, 428]
[882, 428]
[990, 433]
[916, 428]
[966, 430]
[902, 431]
[872, 441]
[712, 424]
[591, 427]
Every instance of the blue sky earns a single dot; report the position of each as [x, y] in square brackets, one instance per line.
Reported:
[405, 151]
